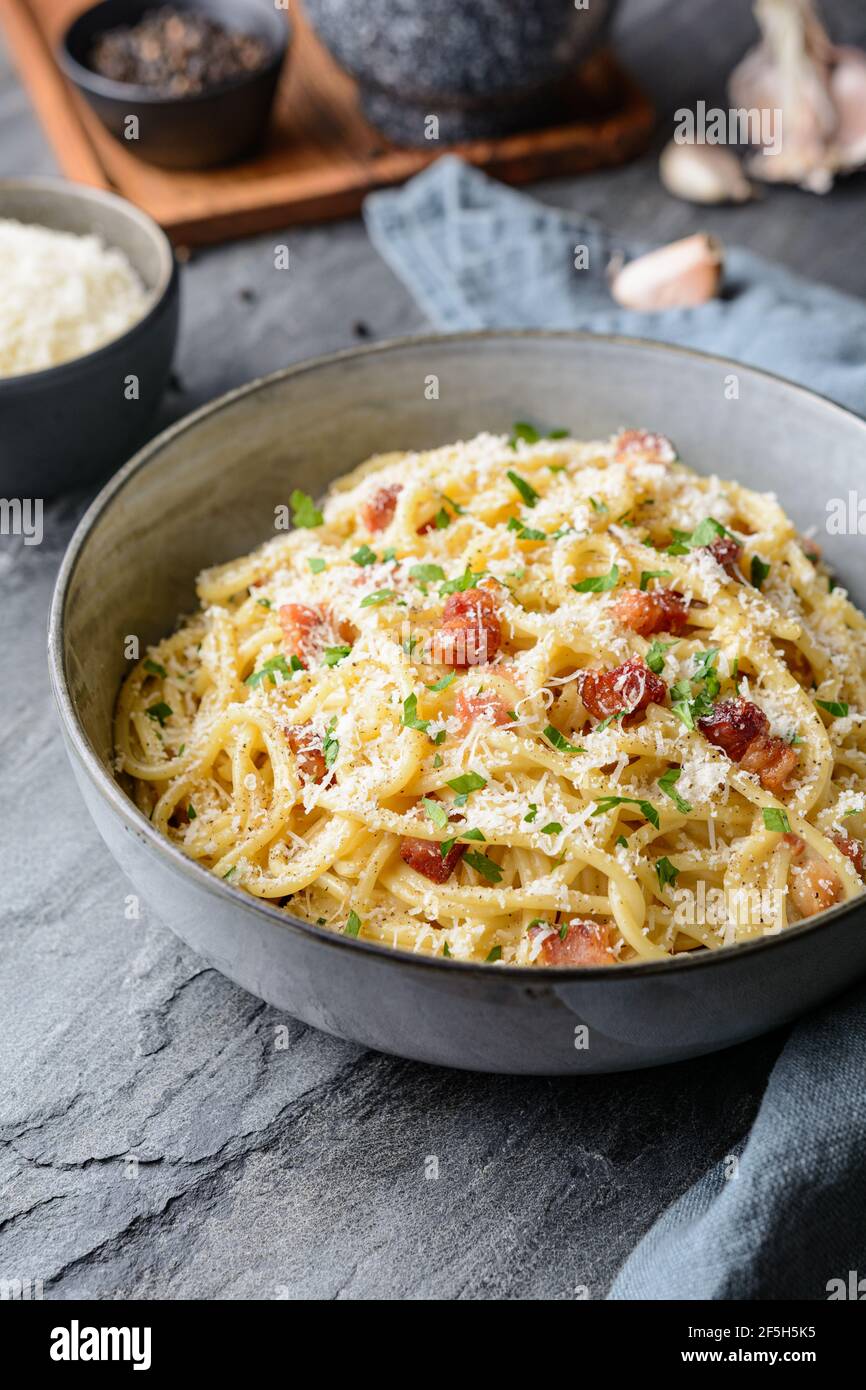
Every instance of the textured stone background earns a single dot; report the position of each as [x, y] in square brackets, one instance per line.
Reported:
[300, 1172]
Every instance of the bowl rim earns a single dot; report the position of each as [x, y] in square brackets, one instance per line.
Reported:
[93, 83]
[70, 191]
[133, 819]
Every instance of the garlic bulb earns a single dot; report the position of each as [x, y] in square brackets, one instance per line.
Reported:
[677, 276]
[703, 174]
[818, 90]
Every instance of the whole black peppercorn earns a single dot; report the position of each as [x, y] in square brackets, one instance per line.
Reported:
[177, 53]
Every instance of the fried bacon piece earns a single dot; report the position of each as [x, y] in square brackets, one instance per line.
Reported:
[732, 725]
[485, 707]
[307, 746]
[643, 444]
[739, 728]
[851, 848]
[772, 759]
[425, 857]
[298, 623]
[647, 611]
[378, 511]
[726, 551]
[584, 943]
[470, 634]
[627, 688]
[814, 885]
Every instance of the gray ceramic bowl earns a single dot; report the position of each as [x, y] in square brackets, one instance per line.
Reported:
[482, 67]
[204, 492]
[69, 425]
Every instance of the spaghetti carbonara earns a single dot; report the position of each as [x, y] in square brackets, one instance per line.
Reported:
[525, 700]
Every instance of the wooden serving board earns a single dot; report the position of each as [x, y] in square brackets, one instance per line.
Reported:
[321, 156]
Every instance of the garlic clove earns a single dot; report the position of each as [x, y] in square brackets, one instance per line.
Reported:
[677, 276]
[848, 89]
[703, 174]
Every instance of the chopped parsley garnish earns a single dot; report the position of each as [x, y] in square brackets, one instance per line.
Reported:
[380, 596]
[655, 657]
[621, 841]
[271, 667]
[305, 513]
[526, 533]
[410, 714]
[228, 873]
[521, 429]
[191, 812]
[447, 845]
[553, 828]
[441, 519]
[705, 670]
[665, 872]
[160, 712]
[364, 556]
[689, 706]
[607, 803]
[598, 583]
[559, 741]
[704, 533]
[606, 722]
[467, 783]
[760, 570]
[531, 813]
[446, 950]
[526, 490]
[411, 720]
[353, 924]
[599, 507]
[264, 603]
[435, 812]
[316, 563]
[333, 655]
[330, 746]
[438, 760]
[467, 580]
[426, 574]
[667, 784]
[774, 819]
[494, 954]
[483, 866]
[444, 682]
[647, 575]
[154, 668]
[837, 708]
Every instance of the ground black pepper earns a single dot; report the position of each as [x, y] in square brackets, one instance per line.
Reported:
[177, 53]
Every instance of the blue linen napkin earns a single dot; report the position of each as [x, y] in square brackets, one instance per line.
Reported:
[476, 254]
[790, 1215]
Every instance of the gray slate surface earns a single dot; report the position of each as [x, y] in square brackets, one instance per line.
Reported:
[271, 1171]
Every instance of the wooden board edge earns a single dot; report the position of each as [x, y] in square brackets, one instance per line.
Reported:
[50, 95]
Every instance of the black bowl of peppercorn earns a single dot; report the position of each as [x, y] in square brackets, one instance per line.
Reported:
[185, 85]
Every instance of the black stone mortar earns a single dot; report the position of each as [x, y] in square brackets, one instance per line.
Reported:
[482, 67]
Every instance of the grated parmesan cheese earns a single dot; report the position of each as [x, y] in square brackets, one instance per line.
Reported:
[61, 296]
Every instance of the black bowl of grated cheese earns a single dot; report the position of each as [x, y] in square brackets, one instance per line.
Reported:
[186, 85]
[88, 322]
